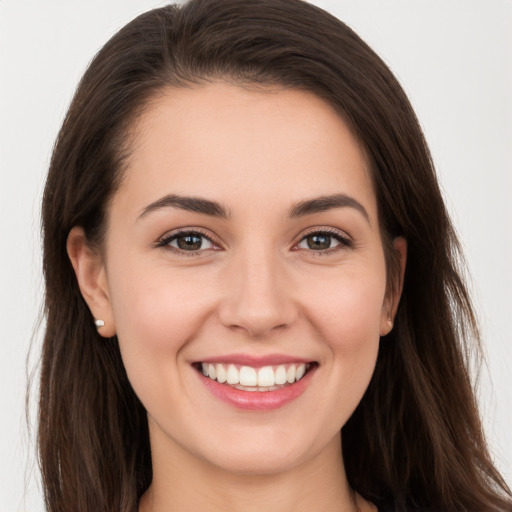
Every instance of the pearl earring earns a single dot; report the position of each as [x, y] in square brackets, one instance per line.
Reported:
[99, 323]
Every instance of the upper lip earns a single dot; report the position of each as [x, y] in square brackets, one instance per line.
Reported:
[255, 361]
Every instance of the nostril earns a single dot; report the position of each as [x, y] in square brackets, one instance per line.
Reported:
[257, 308]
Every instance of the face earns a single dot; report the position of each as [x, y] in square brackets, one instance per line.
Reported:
[244, 243]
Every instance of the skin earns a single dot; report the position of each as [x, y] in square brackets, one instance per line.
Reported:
[255, 287]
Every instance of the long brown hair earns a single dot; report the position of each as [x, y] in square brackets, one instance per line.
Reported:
[415, 440]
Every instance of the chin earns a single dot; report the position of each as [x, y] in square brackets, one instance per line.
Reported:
[256, 462]
[266, 452]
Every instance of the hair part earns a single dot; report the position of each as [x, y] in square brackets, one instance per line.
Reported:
[415, 439]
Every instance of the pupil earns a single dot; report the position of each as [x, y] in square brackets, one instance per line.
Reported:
[319, 241]
[190, 242]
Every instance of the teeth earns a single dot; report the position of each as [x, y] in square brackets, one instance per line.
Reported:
[290, 374]
[266, 377]
[281, 374]
[221, 373]
[248, 377]
[301, 370]
[232, 376]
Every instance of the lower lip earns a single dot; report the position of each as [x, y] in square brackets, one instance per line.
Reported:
[257, 400]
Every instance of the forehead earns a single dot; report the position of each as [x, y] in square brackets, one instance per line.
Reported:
[224, 142]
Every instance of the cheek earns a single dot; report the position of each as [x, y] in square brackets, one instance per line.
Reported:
[347, 308]
[354, 337]
[156, 312]
[344, 312]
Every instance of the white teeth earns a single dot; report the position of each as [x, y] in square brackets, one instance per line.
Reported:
[248, 376]
[232, 376]
[221, 373]
[290, 374]
[266, 377]
[280, 375]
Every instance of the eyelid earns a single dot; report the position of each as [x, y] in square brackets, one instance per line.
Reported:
[344, 239]
[164, 240]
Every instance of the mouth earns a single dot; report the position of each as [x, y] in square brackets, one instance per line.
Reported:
[255, 379]
[258, 387]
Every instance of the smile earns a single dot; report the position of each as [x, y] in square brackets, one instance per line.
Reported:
[248, 378]
[256, 387]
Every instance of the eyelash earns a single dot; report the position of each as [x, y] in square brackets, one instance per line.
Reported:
[344, 241]
[167, 239]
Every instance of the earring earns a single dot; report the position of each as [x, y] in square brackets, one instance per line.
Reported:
[99, 323]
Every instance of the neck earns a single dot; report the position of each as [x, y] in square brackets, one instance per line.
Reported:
[183, 482]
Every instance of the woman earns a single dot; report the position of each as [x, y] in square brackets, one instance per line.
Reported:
[203, 352]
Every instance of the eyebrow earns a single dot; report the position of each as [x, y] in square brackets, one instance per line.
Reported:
[192, 204]
[215, 209]
[325, 203]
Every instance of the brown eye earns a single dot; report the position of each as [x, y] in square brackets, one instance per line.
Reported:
[318, 241]
[323, 241]
[189, 242]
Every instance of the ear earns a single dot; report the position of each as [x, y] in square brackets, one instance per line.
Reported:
[92, 279]
[392, 300]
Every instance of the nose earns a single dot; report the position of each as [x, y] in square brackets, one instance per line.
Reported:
[258, 295]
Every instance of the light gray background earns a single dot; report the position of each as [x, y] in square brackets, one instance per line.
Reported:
[454, 59]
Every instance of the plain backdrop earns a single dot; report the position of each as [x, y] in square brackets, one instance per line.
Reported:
[454, 59]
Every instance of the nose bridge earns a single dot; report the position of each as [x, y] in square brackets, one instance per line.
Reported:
[257, 298]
